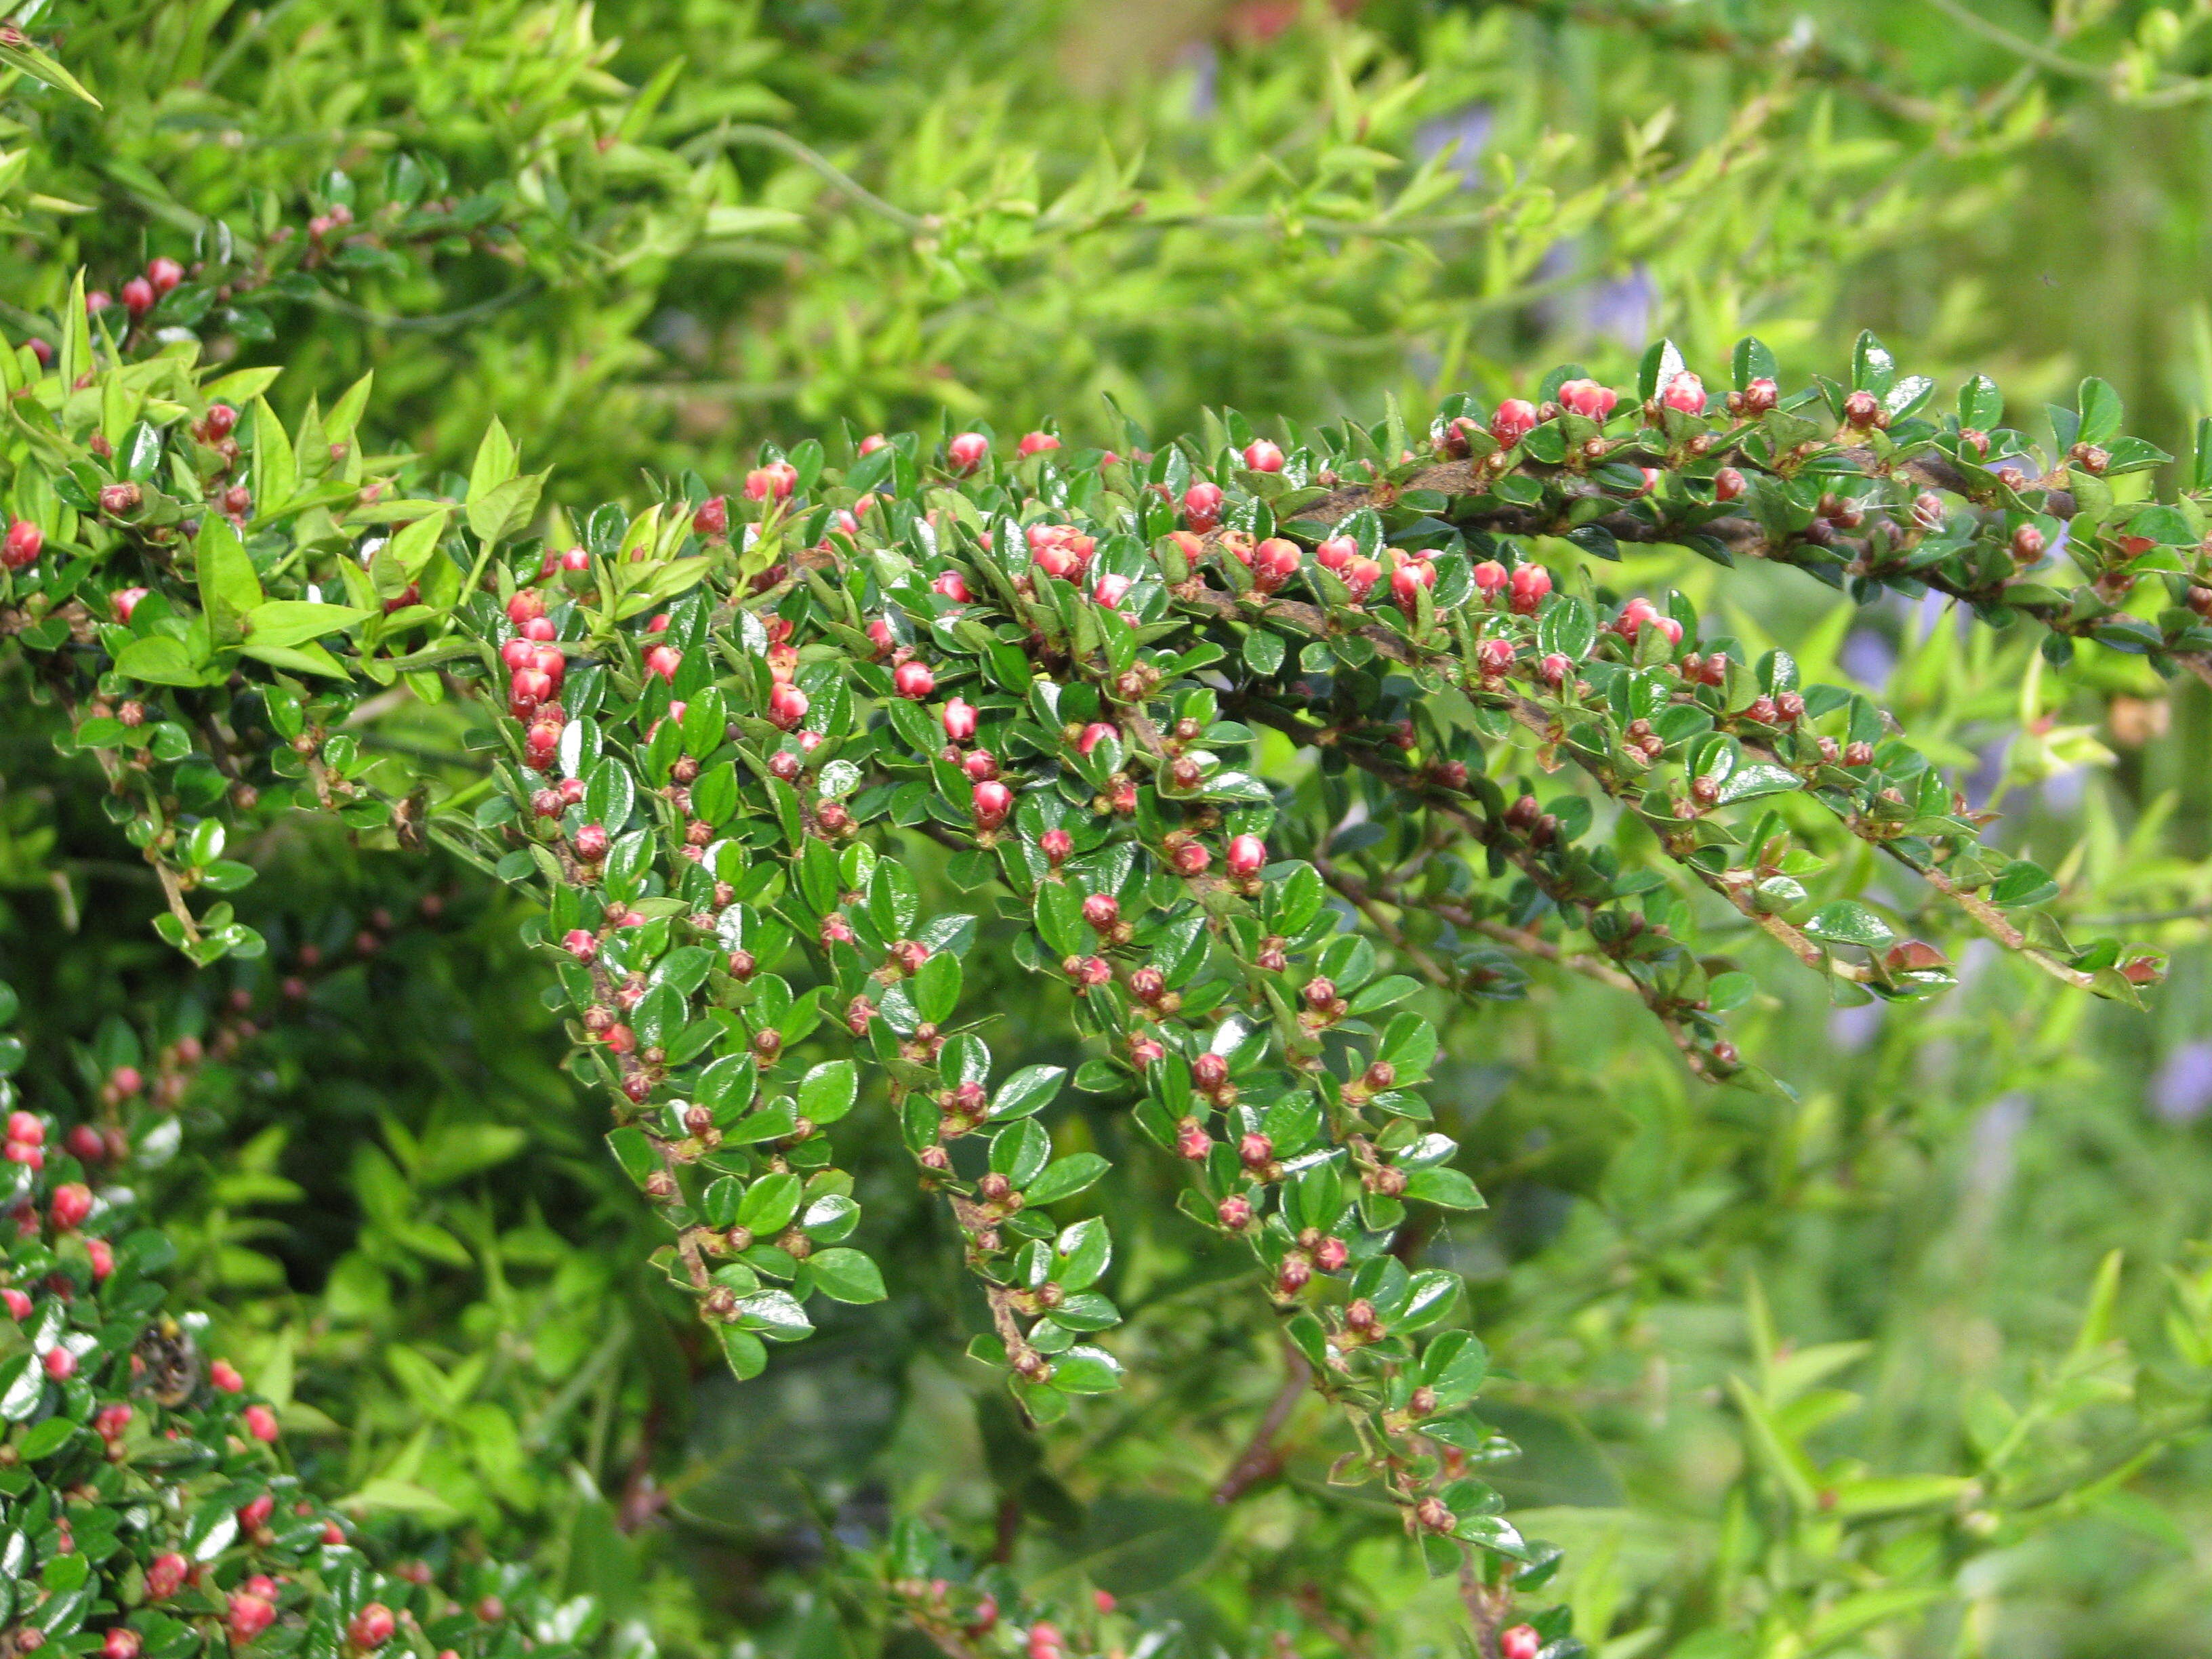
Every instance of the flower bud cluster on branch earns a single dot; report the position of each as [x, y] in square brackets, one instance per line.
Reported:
[713, 736]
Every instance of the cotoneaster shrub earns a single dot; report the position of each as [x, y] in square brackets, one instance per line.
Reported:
[720, 730]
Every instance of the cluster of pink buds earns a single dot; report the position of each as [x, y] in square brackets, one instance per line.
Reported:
[772, 483]
[1588, 399]
[1411, 575]
[1340, 555]
[141, 294]
[27, 1141]
[535, 663]
[1640, 610]
[1060, 551]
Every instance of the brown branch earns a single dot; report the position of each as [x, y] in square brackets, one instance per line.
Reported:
[1261, 1458]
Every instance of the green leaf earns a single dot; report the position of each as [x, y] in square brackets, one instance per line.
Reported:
[1849, 922]
[1567, 627]
[827, 1092]
[770, 1202]
[1085, 1370]
[1445, 1188]
[2101, 413]
[160, 660]
[746, 1353]
[846, 1275]
[2022, 882]
[289, 621]
[1064, 1177]
[1027, 1090]
[40, 67]
[228, 586]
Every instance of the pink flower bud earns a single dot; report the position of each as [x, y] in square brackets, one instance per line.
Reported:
[125, 601]
[18, 1304]
[1519, 1641]
[1490, 577]
[1760, 396]
[371, 1627]
[580, 944]
[1248, 856]
[1234, 1212]
[1515, 420]
[1091, 972]
[1094, 734]
[1554, 670]
[60, 1363]
[591, 842]
[1191, 859]
[166, 1574]
[261, 1423]
[990, 802]
[872, 442]
[664, 660]
[71, 1204]
[101, 1254]
[1262, 455]
[711, 518]
[1728, 484]
[25, 542]
[952, 585]
[164, 274]
[1035, 443]
[112, 1423]
[1531, 582]
[787, 707]
[913, 680]
[138, 296]
[250, 1615]
[1685, 394]
[1588, 399]
[1494, 657]
[1336, 554]
[967, 451]
[959, 720]
[224, 1376]
[26, 1127]
[1101, 911]
[773, 482]
[1201, 506]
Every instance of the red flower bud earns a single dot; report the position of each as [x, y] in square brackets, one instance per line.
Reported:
[1728, 484]
[371, 1627]
[664, 660]
[1094, 734]
[1531, 582]
[1235, 1213]
[1490, 578]
[1336, 554]
[1201, 506]
[1209, 1071]
[1519, 1641]
[1685, 393]
[138, 296]
[967, 451]
[711, 518]
[1494, 657]
[26, 1127]
[1248, 855]
[1263, 456]
[980, 764]
[1515, 420]
[25, 542]
[1862, 408]
[959, 720]
[1191, 859]
[773, 482]
[990, 802]
[1101, 911]
[101, 1254]
[1035, 443]
[914, 680]
[225, 1377]
[72, 1203]
[60, 1363]
[250, 1615]
[2027, 544]
[1588, 399]
[787, 707]
[590, 842]
[261, 1423]
[163, 274]
[952, 585]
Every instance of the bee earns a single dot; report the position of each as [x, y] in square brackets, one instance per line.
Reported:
[167, 1361]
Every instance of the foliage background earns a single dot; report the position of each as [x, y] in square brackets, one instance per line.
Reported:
[686, 226]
